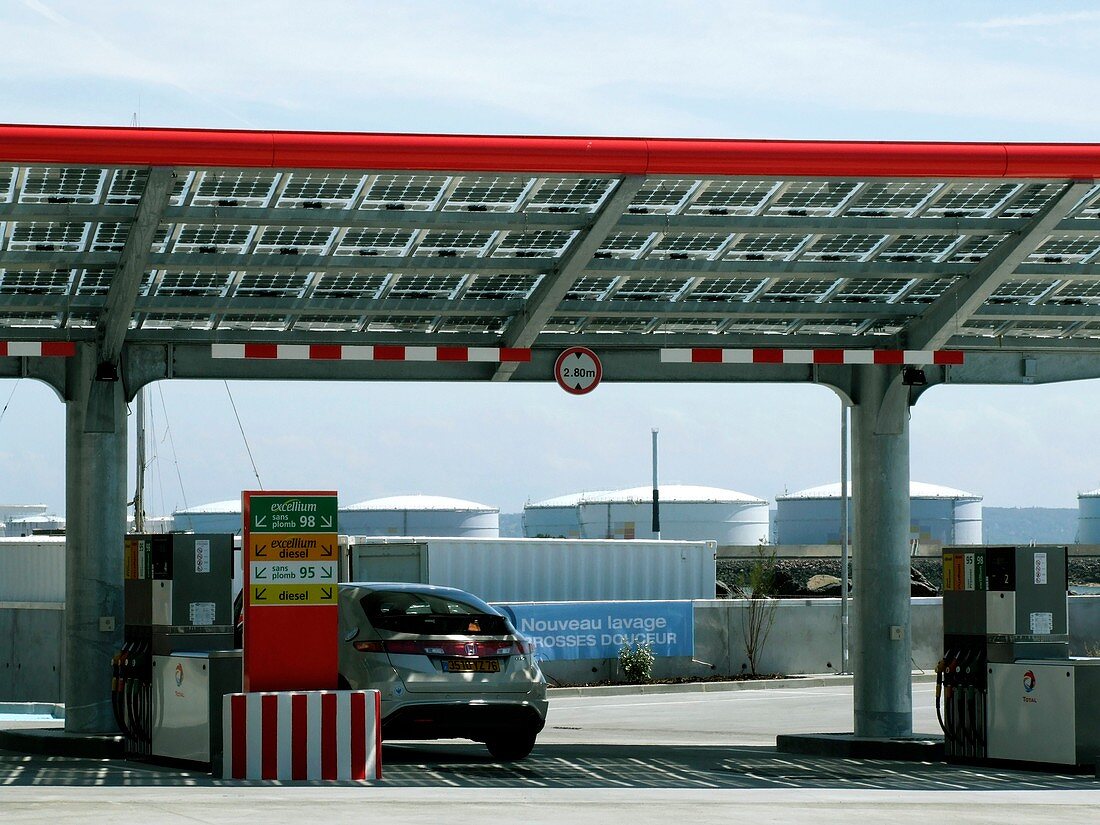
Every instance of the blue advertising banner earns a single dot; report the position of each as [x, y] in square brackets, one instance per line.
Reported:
[597, 630]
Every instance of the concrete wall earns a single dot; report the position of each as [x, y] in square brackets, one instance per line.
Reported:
[30, 651]
[805, 638]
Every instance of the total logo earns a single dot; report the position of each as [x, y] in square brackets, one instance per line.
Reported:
[1029, 685]
[1029, 682]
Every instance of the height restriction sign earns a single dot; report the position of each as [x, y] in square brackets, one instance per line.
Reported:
[578, 370]
[291, 567]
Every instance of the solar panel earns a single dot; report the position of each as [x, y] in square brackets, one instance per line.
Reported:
[400, 323]
[488, 194]
[767, 247]
[424, 286]
[194, 284]
[672, 326]
[843, 247]
[271, 284]
[320, 190]
[389, 242]
[209, 238]
[37, 236]
[501, 287]
[927, 291]
[649, 289]
[7, 183]
[294, 240]
[812, 198]
[1022, 291]
[1062, 249]
[222, 257]
[97, 281]
[493, 324]
[662, 196]
[225, 188]
[348, 285]
[974, 248]
[893, 199]
[570, 195]
[906, 248]
[788, 290]
[35, 281]
[127, 186]
[689, 245]
[866, 290]
[972, 200]
[400, 192]
[723, 289]
[447, 243]
[732, 197]
[1077, 293]
[535, 244]
[625, 244]
[110, 237]
[590, 288]
[49, 184]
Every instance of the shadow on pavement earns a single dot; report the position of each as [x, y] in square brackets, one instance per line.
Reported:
[467, 765]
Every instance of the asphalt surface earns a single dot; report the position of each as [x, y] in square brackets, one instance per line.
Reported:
[709, 757]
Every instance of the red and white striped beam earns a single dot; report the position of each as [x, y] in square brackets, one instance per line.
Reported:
[37, 349]
[317, 734]
[340, 352]
[906, 357]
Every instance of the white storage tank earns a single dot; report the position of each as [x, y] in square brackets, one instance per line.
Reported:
[688, 513]
[938, 515]
[420, 515]
[35, 525]
[1088, 517]
[10, 512]
[216, 517]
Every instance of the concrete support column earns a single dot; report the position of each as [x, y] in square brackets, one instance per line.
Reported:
[881, 662]
[95, 528]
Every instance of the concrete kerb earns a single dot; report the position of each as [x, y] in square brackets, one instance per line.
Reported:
[33, 709]
[811, 681]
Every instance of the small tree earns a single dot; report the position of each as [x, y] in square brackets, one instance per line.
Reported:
[636, 662]
[758, 585]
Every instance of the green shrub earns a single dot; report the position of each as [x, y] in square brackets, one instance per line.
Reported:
[636, 662]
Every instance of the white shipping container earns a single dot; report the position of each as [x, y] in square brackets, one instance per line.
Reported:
[32, 569]
[542, 570]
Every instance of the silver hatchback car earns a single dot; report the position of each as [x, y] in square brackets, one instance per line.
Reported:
[447, 664]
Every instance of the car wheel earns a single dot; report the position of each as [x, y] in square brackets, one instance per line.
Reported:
[342, 683]
[511, 747]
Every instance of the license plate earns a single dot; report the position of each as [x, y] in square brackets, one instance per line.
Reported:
[471, 665]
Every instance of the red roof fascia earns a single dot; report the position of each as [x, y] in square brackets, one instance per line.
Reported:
[202, 148]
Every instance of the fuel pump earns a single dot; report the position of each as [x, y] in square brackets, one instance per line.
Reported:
[177, 598]
[1009, 688]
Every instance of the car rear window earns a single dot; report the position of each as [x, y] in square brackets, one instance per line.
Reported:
[430, 614]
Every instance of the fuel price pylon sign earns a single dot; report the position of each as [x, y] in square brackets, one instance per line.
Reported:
[291, 569]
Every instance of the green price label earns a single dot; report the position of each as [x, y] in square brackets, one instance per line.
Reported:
[292, 514]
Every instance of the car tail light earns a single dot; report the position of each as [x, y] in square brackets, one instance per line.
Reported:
[471, 649]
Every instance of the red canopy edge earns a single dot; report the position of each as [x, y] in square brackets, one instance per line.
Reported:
[210, 148]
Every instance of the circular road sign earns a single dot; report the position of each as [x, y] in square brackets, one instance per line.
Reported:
[578, 370]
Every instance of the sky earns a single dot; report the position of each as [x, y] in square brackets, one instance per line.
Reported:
[814, 70]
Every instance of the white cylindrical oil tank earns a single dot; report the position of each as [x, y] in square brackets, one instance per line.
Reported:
[937, 515]
[687, 513]
[420, 515]
[216, 517]
[1088, 517]
[35, 525]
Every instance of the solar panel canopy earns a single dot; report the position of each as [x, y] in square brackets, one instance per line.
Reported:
[433, 239]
